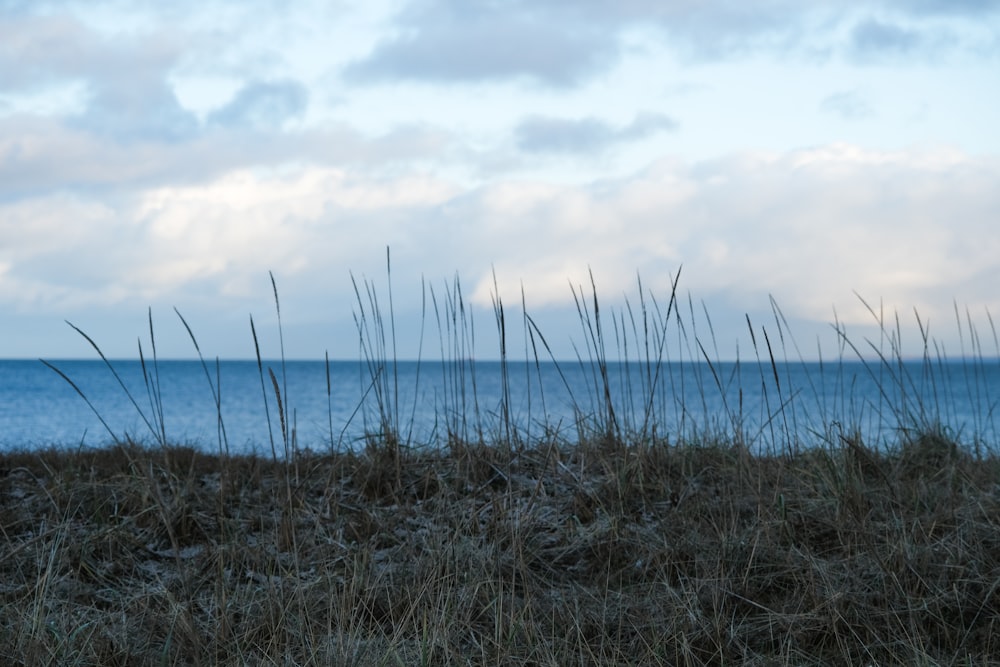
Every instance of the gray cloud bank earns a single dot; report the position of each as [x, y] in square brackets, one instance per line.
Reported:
[913, 228]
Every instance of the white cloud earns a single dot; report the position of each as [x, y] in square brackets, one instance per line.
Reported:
[158, 244]
[808, 227]
[805, 226]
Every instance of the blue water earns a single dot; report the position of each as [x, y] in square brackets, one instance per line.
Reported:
[806, 404]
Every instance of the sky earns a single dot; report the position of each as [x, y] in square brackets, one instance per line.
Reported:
[838, 158]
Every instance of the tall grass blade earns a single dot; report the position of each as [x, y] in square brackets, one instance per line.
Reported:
[216, 396]
[117, 377]
[114, 437]
[260, 372]
[501, 324]
[153, 389]
[283, 407]
[281, 411]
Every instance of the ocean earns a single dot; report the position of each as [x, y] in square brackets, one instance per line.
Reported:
[234, 406]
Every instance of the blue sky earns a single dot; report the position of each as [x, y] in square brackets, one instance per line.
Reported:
[160, 155]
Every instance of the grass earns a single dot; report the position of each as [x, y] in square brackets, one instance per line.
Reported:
[611, 542]
[586, 554]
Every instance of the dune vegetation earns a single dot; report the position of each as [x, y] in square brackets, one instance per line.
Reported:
[611, 543]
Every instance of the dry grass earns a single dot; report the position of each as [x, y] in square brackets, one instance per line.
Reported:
[596, 553]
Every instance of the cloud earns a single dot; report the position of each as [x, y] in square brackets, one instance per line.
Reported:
[481, 42]
[213, 239]
[848, 104]
[263, 105]
[647, 123]
[37, 50]
[42, 155]
[561, 43]
[719, 30]
[922, 32]
[544, 134]
[124, 78]
[808, 227]
[558, 43]
[959, 8]
[872, 39]
[137, 107]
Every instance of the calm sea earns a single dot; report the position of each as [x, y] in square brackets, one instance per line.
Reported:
[335, 405]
